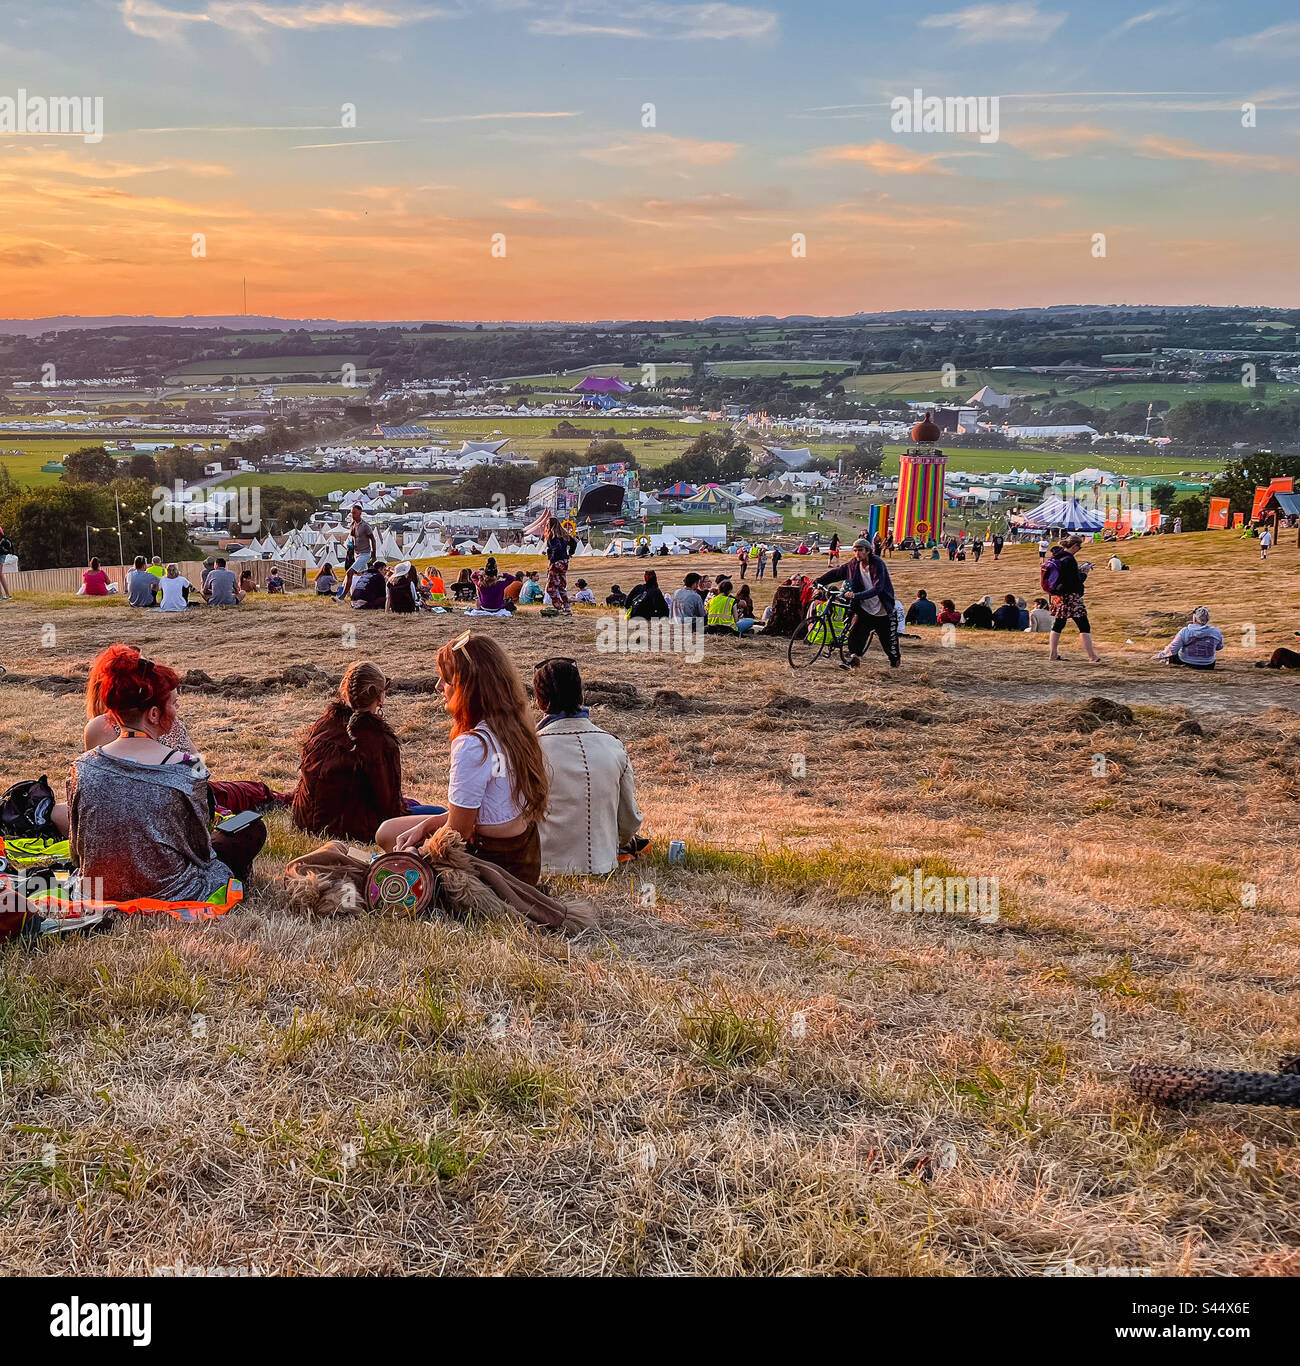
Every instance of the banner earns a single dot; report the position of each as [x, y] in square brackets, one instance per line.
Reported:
[1218, 514]
[1262, 495]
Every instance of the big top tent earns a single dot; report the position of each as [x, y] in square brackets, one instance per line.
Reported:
[1059, 514]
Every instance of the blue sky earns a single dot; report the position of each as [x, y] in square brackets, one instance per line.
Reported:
[524, 118]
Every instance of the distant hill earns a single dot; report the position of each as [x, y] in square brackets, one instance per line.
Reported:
[35, 327]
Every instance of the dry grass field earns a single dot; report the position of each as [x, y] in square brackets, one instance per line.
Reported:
[755, 1065]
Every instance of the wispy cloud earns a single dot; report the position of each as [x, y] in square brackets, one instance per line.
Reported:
[886, 157]
[253, 18]
[359, 142]
[1150, 16]
[475, 118]
[998, 23]
[691, 22]
[1081, 139]
[1282, 40]
[661, 149]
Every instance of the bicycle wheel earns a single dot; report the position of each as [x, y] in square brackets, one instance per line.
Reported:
[801, 651]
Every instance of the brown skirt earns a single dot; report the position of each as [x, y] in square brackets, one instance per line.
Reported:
[519, 855]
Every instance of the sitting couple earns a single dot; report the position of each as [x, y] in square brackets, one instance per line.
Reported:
[555, 797]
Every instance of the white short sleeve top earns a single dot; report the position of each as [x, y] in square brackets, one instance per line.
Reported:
[481, 778]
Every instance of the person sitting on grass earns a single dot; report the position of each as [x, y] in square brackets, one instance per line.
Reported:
[173, 590]
[745, 609]
[1007, 616]
[94, 582]
[530, 590]
[402, 592]
[370, 588]
[491, 594]
[141, 586]
[592, 819]
[1040, 618]
[138, 808]
[274, 583]
[646, 600]
[720, 613]
[350, 774]
[979, 614]
[246, 583]
[465, 589]
[948, 613]
[221, 587]
[584, 594]
[496, 786]
[616, 597]
[1196, 645]
[326, 582]
[687, 604]
[922, 612]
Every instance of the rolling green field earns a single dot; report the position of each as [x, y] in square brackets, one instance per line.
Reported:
[239, 368]
[1113, 395]
[563, 383]
[732, 369]
[926, 385]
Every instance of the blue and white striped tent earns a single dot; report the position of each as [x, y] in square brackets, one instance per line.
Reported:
[1062, 514]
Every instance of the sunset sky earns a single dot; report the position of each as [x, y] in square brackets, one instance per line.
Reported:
[525, 118]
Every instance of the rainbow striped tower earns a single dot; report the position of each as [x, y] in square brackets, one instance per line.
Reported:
[919, 510]
[878, 521]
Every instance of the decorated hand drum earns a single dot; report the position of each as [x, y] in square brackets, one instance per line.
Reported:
[399, 884]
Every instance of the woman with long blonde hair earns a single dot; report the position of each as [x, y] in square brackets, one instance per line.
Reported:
[496, 784]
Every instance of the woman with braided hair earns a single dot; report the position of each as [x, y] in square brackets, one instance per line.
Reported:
[351, 770]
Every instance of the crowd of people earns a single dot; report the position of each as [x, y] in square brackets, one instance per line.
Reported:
[536, 790]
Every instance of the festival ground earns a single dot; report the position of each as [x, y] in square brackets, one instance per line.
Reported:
[757, 1064]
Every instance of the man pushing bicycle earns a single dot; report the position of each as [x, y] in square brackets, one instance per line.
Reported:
[872, 596]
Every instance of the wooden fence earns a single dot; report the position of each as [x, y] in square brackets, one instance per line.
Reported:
[69, 580]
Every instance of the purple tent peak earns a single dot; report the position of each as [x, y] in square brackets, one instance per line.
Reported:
[601, 384]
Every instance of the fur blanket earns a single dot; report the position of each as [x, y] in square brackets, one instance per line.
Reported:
[331, 881]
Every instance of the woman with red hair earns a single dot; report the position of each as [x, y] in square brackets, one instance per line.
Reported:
[139, 809]
[496, 786]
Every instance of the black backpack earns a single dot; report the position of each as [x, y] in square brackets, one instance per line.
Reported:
[26, 811]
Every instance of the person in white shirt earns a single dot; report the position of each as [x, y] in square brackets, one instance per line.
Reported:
[593, 818]
[1044, 545]
[496, 785]
[174, 588]
[1265, 540]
